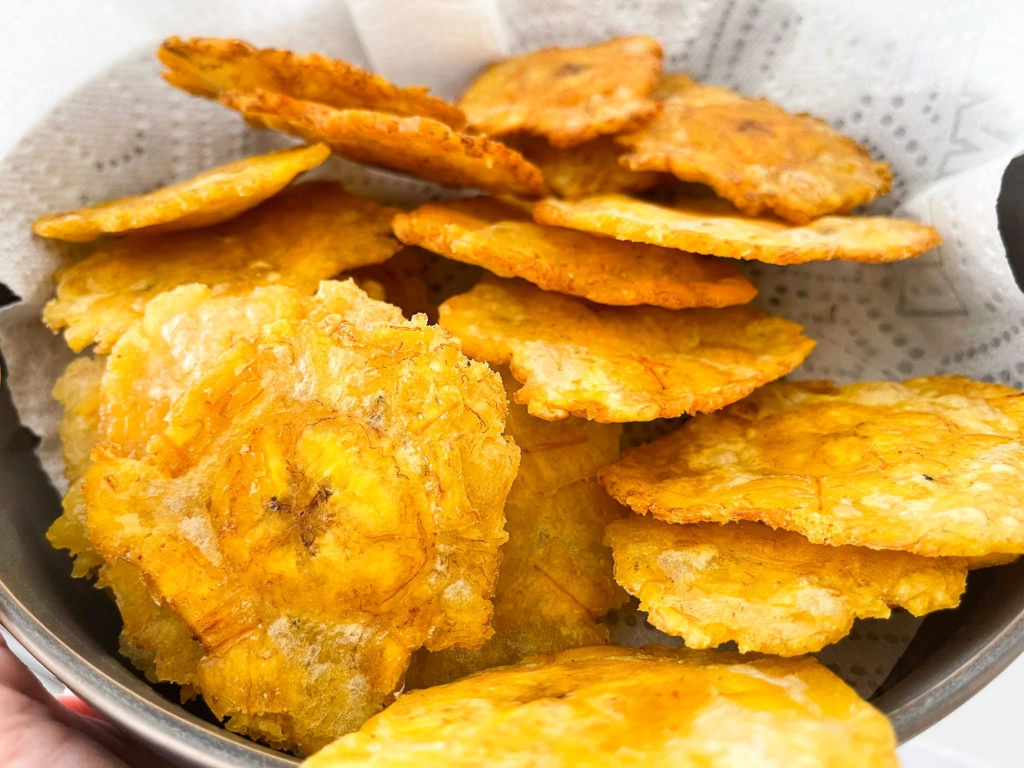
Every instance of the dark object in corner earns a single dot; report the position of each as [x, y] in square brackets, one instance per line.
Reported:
[1010, 213]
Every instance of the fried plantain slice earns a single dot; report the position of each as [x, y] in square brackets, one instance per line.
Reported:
[206, 66]
[420, 146]
[153, 638]
[754, 154]
[125, 398]
[992, 560]
[311, 531]
[150, 372]
[555, 579]
[932, 466]
[713, 226]
[610, 707]
[209, 198]
[587, 169]
[308, 233]
[501, 238]
[617, 364]
[568, 95]
[767, 590]
[78, 391]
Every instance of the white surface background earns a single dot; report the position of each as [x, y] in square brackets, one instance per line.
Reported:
[48, 48]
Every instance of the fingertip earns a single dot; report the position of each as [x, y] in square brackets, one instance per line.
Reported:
[75, 704]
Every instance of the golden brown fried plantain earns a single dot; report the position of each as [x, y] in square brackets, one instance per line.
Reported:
[425, 148]
[569, 95]
[930, 466]
[125, 398]
[620, 363]
[712, 226]
[769, 591]
[500, 237]
[210, 198]
[619, 707]
[210, 66]
[312, 531]
[153, 638]
[754, 154]
[306, 234]
[555, 579]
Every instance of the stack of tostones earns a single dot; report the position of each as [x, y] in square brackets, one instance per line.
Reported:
[194, 424]
[602, 121]
[882, 494]
[571, 107]
[304, 503]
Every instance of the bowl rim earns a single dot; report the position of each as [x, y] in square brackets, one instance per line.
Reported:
[967, 658]
[154, 723]
[916, 702]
